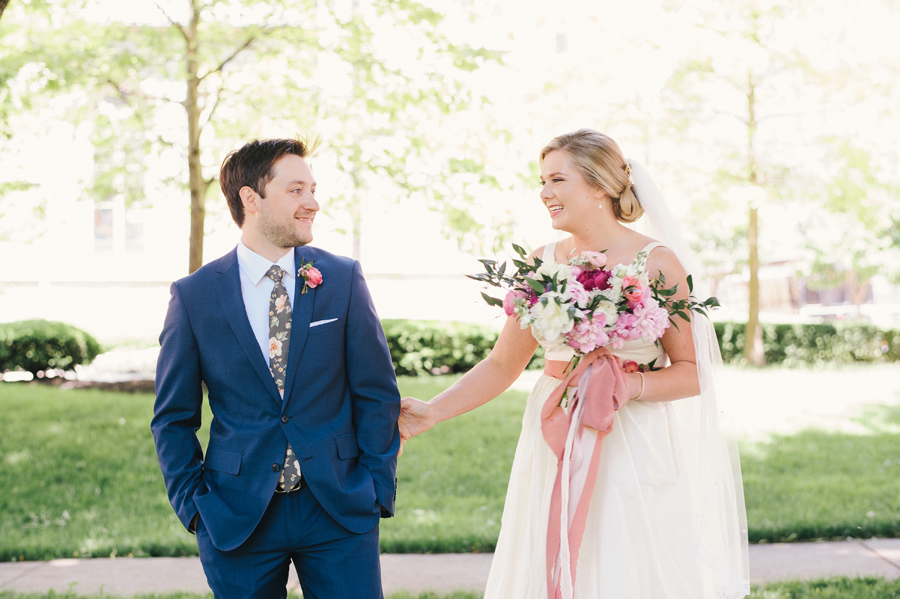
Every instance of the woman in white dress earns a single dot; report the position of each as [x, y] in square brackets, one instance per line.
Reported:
[666, 518]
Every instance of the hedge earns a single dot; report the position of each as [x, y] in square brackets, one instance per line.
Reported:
[813, 344]
[40, 345]
[430, 347]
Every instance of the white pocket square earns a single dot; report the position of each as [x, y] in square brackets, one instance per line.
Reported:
[318, 322]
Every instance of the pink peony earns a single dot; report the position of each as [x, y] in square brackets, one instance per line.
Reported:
[652, 321]
[625, 327]
[579, 294]
[509, 302]
[313, 277]
[588, 335]
[597, 259]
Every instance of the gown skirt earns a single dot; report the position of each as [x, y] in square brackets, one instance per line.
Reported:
[637, 542]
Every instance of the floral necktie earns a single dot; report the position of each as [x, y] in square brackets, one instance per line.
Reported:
[279, 343]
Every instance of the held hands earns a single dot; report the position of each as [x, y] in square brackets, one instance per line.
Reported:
[414, 419]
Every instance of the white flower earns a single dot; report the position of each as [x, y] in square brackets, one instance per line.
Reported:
[562, 272]
[551, 318]
[614, 292]
[608, 308]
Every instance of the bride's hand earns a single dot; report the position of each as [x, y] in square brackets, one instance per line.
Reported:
[414, 419]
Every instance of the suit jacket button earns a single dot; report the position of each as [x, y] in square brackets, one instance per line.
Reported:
[275, 467]
[285, 419]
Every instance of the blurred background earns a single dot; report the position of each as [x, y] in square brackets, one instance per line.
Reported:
[771, 126]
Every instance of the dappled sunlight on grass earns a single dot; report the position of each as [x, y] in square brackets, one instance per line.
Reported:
[818, 484]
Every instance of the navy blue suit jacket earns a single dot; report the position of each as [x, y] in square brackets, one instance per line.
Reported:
[339, 410]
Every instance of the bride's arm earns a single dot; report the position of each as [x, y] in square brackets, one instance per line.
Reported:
[488, 379]
[679, 379]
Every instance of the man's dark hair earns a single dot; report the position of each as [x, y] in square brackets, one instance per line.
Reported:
[252, 166]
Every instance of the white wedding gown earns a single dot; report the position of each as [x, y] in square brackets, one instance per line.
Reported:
[638, 542]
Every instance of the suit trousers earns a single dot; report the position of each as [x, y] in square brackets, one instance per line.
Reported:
[331, 561]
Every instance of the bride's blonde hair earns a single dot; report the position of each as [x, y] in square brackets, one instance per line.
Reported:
[600, 161]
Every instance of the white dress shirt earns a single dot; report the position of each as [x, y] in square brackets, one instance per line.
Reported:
[256, 289]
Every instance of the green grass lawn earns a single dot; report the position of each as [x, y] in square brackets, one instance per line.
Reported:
[80, 478]
[832, 588]
[825, 485]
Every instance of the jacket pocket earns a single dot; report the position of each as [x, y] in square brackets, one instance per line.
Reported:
[346, 446]
[222, 460]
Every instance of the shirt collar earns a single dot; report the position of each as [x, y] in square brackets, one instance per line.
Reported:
[255, 266]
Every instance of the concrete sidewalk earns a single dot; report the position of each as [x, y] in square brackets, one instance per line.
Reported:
[416, 573]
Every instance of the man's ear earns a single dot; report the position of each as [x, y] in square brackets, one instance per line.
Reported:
[250, 199]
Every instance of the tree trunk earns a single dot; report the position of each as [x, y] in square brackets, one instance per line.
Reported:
[3, 4]
[753, 342]
[855, 291]
[753, 345]
[195, 168]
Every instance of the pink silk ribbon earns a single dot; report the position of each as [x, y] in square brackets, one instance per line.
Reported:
[593, 406]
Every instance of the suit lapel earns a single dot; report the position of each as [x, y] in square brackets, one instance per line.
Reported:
[228, 288]
[300, 320]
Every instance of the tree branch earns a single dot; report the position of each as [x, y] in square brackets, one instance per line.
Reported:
[212, 110]
[221, 66]
[126, 94]
[174, 23]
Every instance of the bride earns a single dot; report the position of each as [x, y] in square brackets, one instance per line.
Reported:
[666, 516]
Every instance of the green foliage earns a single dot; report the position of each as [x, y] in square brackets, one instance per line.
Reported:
[421, 347]
[813, 344]
[39, 345]
[433, 347]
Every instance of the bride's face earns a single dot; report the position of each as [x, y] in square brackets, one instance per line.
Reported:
[566, 193]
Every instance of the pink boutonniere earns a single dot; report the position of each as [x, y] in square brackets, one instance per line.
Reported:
[311, 275]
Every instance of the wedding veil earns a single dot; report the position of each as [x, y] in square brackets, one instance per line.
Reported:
[718, 515]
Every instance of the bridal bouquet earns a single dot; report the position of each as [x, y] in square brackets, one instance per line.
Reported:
[587, 304]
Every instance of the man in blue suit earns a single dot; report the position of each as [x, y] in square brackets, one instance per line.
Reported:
[303, 440]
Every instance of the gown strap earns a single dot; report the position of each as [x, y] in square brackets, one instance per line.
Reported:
[549, 253]
[652, 246]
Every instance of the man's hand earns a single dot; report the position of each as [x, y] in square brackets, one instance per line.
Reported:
[415, 419]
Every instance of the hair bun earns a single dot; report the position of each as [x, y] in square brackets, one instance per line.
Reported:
[627, 208]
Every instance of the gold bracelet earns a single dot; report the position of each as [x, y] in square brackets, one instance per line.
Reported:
[641, 394]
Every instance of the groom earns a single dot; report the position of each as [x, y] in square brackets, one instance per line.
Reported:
[303, 440]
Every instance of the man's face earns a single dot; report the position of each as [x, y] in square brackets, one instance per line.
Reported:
[286, 213]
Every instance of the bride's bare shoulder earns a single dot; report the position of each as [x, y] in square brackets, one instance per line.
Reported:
[663, 260]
